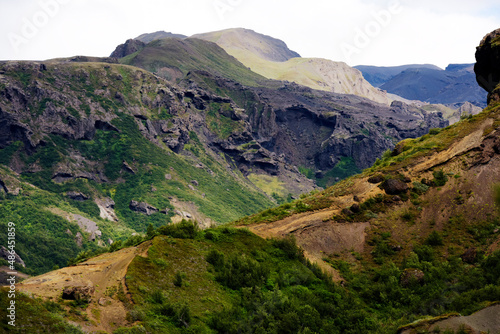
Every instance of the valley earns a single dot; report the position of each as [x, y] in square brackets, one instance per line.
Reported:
[220, 183]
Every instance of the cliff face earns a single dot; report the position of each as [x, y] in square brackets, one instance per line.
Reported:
[487, 66]
[261, 129]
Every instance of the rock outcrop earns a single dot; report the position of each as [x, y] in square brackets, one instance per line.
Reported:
[79, 293]
[487, 66]
[127, 48]
[4, 254]
[142, 207]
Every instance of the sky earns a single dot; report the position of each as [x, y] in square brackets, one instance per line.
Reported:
[358, 32]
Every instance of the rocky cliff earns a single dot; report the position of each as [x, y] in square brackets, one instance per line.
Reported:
[487, 66]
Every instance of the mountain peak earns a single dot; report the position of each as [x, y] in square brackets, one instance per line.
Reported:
[149, 37]
[241, 39]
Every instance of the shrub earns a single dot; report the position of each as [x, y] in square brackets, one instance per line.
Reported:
[215, 258]
[157, 297]
[408, 216]
[241, 271]
[420, 188]
[434, 239]
[425, 253]
[289, 246]
[434, 131]
[183, 230]
[178, 278]
[440, 178]
[491, 266]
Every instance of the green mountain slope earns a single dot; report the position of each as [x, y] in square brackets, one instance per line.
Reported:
[103, 142]
[173, 58]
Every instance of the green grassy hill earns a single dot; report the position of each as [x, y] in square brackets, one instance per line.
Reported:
[173, 58]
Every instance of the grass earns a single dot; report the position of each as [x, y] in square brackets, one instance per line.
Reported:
[269, 184]
[438, 141]
[192, 54]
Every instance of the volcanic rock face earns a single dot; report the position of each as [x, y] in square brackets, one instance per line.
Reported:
[278, 129]
[129, 47]
[487, 67]
[4, 254]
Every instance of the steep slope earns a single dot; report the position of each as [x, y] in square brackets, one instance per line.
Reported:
[275, 61]
[173, 58]
[95, 151]
[241, 41]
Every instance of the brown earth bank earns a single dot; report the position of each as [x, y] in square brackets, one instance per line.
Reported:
[104, 275]
[486, 320]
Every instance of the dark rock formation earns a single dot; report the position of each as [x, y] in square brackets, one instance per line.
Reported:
[394, 187]
[142, 207]
[411, 276]
[469, 256]
[127, 48]
[78, 293]
[77, 196]
[487, 66]
[280, 127]
[376, 178]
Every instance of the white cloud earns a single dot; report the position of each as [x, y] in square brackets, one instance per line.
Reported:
[426, 31]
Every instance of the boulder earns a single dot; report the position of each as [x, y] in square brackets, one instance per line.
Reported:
[142, 207]
[487, 67]
[79, 293]
[77, 196]
[411, 276]
[376, 178]
[394, 187]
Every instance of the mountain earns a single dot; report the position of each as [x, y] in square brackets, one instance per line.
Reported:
[146, 38]
[115, 148]
[410, 245]
[95, 151]
[272, 59]
[452, 86]
[379, 75]
[173, 58]
[241, 41]
[347, 128]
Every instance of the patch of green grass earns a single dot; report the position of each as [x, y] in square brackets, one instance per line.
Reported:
[34, 315]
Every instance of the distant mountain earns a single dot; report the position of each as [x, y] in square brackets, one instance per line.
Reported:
[272, 59]
[428, 83]
[238, 41]
[456, 84]
[379, 75]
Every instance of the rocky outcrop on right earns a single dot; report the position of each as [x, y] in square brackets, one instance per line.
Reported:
[487, 66]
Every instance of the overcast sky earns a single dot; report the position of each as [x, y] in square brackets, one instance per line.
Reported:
[378, 32]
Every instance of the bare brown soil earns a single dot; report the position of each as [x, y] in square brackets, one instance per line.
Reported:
[106, 273]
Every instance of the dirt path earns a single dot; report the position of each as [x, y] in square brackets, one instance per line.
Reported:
[105, 273]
